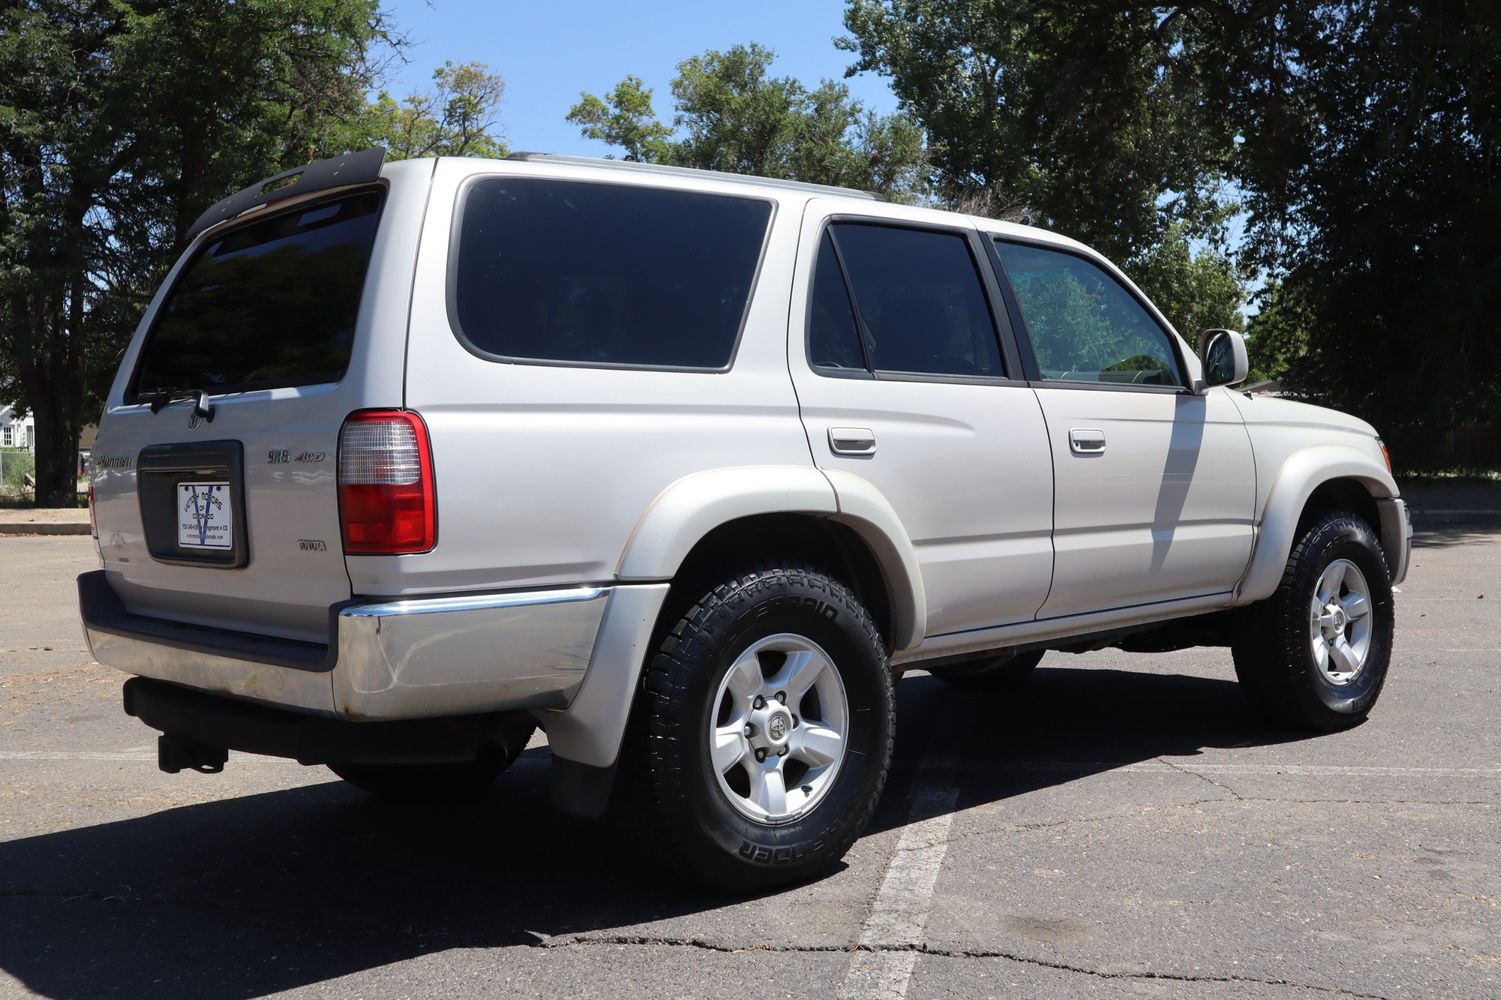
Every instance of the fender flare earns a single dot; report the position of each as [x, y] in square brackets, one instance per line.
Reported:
[865, 509]
[1303, 472]
[695, 505]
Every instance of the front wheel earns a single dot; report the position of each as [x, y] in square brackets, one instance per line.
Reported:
[765, 732]
[1314, 655]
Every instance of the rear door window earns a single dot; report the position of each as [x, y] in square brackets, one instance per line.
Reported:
[919, 300]
[604, 274]
[269, 304]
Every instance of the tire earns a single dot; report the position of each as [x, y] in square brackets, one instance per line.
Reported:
[1314, 655]
[989, 671]
[439, 781]
[717, 814]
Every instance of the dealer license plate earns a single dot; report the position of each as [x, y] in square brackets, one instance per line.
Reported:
[205, 516]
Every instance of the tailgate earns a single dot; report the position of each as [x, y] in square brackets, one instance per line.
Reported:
[215, 468]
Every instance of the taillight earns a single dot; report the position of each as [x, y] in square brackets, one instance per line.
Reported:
[387, 503]
[93, 521]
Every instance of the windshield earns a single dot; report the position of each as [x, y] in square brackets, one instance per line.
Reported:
[270, 304]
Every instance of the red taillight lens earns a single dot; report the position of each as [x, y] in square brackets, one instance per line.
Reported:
[93, 521]
[386, 498]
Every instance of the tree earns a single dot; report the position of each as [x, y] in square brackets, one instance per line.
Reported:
[1372, 137]
[458, 116]
[732, 115]
[1195, 291]
[120, 122]
[1059, 113]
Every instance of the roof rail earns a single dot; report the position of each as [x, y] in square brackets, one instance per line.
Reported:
[718, 175]
[338, 171]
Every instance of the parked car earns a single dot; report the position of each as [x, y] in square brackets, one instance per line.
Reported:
[407, 459]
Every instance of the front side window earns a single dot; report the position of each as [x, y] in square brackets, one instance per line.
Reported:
[1084, 326]
[919, 300]
[604, 274]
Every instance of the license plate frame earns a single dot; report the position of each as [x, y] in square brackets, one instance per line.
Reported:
[205, 516]
[163, 470]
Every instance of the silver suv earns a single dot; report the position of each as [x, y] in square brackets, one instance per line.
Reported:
[408, 459]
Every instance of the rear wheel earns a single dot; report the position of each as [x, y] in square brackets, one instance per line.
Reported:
[1314, 655]
[432, 782]
[765, 731]
[989, 671]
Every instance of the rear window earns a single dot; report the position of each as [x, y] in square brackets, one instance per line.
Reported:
[265, 305]
[604, 274]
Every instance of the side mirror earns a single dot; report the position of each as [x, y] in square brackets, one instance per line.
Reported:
[1223, 353]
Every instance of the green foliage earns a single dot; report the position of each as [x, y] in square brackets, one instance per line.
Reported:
[732, 115]
[1195, 291]
[1278, 336]
[15, 465]
[1370, 165]
[1088, 121]
[120, 123]
[624, 118]
[457, 116]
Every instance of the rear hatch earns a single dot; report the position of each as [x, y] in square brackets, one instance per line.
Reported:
[215, 468]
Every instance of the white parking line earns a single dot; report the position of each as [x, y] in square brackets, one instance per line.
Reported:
[882, 967]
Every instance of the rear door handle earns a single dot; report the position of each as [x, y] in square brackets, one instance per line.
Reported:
[852, 441]
[1086, 441]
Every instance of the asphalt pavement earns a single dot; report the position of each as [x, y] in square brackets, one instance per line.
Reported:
[1119, 826]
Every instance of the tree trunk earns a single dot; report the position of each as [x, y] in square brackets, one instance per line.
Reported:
[56, 453]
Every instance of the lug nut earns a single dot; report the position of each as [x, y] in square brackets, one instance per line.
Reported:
[759, 703]
[760, 755]
[795, 721]
[750, 730]
[782, 752]
[782, 697]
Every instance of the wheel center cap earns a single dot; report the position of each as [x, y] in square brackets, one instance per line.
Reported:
[1339, 618]
[778, 724]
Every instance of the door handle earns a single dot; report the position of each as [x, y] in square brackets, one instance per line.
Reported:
[1086, 441]
[852, 441]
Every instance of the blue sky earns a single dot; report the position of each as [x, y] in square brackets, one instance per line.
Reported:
[550, 51]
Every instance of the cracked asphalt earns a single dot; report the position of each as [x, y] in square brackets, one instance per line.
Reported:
[1120, 826]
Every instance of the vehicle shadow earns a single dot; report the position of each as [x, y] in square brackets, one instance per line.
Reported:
[1432, 533]
[247, 896]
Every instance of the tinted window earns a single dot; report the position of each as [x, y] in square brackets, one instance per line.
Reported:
[920, 299]
[1084, 326]
[269, 304]
[601, 274]
[833, 337]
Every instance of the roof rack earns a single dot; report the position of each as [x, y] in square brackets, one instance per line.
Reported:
[718, 175]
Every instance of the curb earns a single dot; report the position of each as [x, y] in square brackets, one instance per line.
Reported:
[43, 528]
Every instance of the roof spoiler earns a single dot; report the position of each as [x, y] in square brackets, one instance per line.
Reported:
[338, 171]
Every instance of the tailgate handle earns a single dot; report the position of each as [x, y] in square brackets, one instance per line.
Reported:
[1086, 441]
[852, 440]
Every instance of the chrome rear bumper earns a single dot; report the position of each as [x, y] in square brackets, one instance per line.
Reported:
[400, 659]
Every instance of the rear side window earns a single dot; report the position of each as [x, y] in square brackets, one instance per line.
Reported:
[266, 305]
[604, 274]
[1083, 324]
[919, 300]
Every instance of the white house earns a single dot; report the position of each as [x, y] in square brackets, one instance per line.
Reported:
[17, 432]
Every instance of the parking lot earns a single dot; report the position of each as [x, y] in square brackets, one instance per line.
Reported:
[1120, 826]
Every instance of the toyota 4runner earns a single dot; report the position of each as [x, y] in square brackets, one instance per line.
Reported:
[408, 459]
